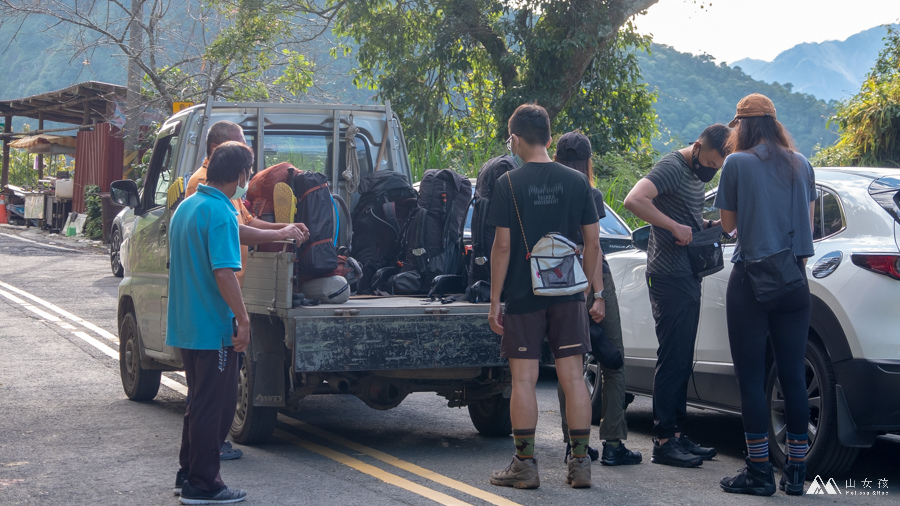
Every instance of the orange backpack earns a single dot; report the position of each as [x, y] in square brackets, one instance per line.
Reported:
[262, 187]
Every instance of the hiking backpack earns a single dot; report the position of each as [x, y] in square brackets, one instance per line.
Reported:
[316, 208]
[433, 245]
[261, 187]
[380, 219]
[482, 233]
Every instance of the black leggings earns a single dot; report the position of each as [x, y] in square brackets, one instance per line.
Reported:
[785, 323]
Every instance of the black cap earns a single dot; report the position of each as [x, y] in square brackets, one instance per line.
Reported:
[573, 146]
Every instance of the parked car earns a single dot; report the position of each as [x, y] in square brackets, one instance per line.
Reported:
[853, 355]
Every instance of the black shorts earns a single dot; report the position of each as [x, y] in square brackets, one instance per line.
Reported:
[565, 325]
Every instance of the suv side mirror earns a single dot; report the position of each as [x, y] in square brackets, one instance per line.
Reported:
[640, 238]
[125, 193]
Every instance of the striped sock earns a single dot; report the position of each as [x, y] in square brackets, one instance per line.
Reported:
[524, 441]
[796, 446]
[579, 439]
[757, 447]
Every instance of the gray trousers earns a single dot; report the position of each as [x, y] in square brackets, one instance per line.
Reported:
[612, 421]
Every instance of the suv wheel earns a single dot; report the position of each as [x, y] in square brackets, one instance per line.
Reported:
[826, 455]
[140, 384]
[115, 258]
[593, 379]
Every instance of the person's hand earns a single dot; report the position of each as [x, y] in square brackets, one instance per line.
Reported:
[303, 230]
[241, 339]
[289, 232]
[683, 234]
[495, 317]
[714, 224]
[598, 310]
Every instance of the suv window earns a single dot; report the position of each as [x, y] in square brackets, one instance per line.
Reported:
[828, 216]
[159, 175]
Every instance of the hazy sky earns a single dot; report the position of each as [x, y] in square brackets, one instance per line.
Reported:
[733, 29]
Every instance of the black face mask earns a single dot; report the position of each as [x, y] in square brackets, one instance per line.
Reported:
[702, 172]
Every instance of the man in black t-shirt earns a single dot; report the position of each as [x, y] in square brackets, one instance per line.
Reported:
[670, 198]
[538, 198]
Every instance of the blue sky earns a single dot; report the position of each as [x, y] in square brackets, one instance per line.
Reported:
[733, 29]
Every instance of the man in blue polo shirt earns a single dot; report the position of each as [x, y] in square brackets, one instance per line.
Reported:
[204, 297]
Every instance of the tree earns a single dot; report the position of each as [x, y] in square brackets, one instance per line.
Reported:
[466, 64]
[869, 122]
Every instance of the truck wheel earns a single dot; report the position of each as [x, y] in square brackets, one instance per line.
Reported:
[140, 384]
[251, 424]
[115, 255]
[594, 381]
[490, 416]
[826, 455]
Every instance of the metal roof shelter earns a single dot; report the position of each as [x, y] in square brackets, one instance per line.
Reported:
[84, 105]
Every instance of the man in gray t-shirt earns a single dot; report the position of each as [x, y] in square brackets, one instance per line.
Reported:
[670, 198]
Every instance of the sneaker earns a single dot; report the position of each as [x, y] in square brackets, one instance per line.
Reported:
[181, 477]
[593, 453]
[793, 478]
[225, 495]
[579, 475]
[695, 449]
[673, 454]
[618, 455]
[229, 453]
[519, 474]
[755, 479]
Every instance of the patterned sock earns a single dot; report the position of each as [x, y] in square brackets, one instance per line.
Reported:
[524, 440]
[796, 445]
[613, 442]
[579, 439]
[757, 447]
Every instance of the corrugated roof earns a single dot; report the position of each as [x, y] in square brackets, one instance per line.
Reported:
[79, 104]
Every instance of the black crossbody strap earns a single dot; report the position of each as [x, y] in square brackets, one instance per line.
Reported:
[516, 204]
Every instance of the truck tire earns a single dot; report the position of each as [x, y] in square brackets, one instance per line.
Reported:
[826, 455]
[115, 253]
[140, 384]
[251, 424]
[490, 416]
[594, 381]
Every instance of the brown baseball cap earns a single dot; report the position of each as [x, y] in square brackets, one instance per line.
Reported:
[753, 105]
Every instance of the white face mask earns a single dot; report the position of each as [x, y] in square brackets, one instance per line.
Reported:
[239, 192]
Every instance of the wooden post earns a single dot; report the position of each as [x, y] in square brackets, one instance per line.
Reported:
[4, 175]
[40, 158]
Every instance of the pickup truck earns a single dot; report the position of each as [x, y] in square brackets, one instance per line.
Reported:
[379, 349]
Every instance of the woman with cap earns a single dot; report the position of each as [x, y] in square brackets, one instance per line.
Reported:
[573, 149]
[767, 192]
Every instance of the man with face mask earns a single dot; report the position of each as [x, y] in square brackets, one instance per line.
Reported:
[670, 198]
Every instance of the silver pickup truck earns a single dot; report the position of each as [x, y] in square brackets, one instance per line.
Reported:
[379, 349]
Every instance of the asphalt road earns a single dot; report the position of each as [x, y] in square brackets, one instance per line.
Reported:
[68, 434]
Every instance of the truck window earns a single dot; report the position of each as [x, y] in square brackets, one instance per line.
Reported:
[159, 174]
[310, 151]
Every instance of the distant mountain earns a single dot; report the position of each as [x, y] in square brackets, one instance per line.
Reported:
[694, 92]
[830, 70]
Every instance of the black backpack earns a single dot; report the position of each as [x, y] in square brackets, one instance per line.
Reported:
[482, 233]
[316, 208]
[433, 245]
[379, 221]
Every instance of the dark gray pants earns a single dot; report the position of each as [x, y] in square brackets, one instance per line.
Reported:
[612, 422]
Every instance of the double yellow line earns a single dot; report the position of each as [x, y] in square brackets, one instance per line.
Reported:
[389, 478]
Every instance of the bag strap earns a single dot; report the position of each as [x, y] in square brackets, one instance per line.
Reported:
[791, 233]
[516, 204]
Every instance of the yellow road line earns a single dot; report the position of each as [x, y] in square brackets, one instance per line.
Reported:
[390, 479]
[402, 464]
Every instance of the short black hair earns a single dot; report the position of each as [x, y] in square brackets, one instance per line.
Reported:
[222, 131]
[531, 123]
[716, 137]
[228, 162]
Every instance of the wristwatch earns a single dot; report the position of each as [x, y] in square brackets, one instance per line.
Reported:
[601, 294]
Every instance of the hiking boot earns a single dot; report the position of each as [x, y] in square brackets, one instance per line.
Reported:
[579, 475]
[673, 454]
[755, 479]
[793, 477]
[519, 474]
[593, 453]
[227, 452]
[695, 449]
[225, 495]
[618, 455]
[182, 475]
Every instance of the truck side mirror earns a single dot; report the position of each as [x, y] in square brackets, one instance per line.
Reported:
[640, 238]
[125, 193]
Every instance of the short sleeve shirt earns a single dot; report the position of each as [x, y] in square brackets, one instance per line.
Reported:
[680, 197]
[203, 236]
[551, 198]
[767, 202]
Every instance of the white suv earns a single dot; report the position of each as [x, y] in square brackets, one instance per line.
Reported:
[853, 355]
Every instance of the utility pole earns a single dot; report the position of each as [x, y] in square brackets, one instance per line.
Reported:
[135, 76]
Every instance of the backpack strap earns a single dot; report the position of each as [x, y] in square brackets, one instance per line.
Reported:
[513, 193]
